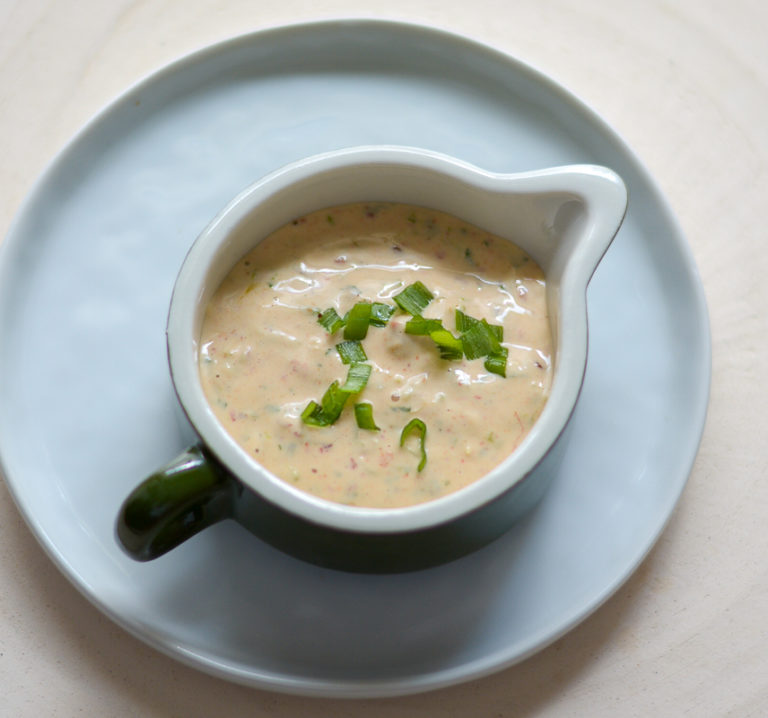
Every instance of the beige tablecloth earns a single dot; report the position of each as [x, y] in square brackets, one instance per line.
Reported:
[686, 84]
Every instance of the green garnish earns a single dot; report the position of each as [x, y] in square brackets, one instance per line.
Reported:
[449, 346]
[477, 339]
[416, 425]
[357, 378]
[464, 322]
[380, 314]
[330, 320]
[329, 410]
[357, 321]
[364, 416]
[335, 397]
[414, 298]
[480, 340]
[497, 363]
[351, 352]
[420, 326]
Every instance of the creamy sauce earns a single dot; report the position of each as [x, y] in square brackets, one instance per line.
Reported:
[264, 356]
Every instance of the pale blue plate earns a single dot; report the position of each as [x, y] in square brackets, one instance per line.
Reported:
[87, 407]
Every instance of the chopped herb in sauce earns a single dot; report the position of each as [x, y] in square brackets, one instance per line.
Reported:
[364, 416]
[330, 320]
[414, 299]
[332, 404]
[416, 426]
[351, 352]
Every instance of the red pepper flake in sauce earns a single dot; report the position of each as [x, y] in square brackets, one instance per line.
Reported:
[520, 422]
[385, 457]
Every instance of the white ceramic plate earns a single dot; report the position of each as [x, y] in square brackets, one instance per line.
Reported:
[87, 408]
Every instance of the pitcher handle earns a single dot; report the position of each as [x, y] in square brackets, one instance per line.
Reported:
[187, 495]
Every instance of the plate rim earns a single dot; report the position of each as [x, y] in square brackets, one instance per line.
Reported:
[428, 681]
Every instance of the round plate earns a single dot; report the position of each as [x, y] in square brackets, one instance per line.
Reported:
[85, 280]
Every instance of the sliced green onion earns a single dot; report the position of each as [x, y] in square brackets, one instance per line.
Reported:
[480, 340]
[414, 298]
[330, 320]
[329, 410]
[380, 314]
[357, 321]
[364, 416]
[313, 415]
[419, 325]
[351, 352]
[416, 425]
[464, 322]
[335, 397]
[357, 378]
[333, 401]
[449, 346]
[497, 363]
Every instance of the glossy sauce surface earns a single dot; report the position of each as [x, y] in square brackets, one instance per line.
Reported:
[264, 356]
